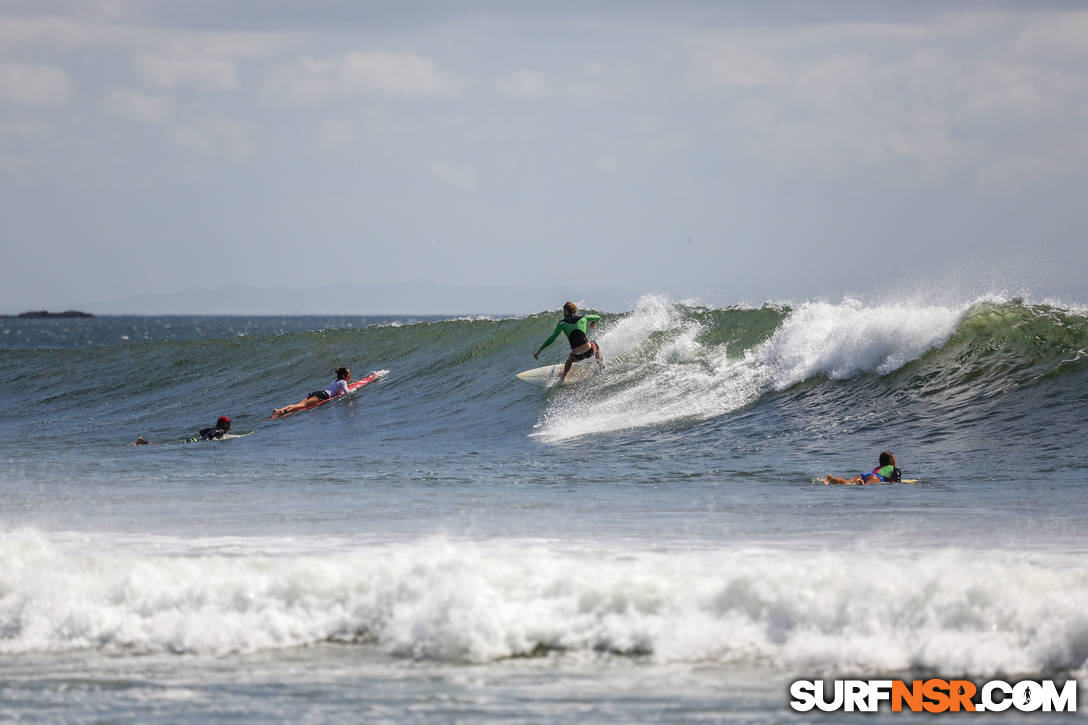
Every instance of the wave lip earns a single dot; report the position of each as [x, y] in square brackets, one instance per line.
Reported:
[951, 611]
[843, 340]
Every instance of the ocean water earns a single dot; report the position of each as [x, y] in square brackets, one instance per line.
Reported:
[452, 545]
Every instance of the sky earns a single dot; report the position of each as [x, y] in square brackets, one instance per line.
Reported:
[344, 157]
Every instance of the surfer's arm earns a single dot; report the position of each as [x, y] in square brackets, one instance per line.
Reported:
[550, 340]
[592, 319]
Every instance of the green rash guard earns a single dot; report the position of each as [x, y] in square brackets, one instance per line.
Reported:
[570, 326]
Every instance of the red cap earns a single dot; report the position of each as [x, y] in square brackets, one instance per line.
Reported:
[223, 419]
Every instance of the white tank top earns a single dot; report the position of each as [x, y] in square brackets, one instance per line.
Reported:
[338, 387]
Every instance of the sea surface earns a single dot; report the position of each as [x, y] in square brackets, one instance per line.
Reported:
[450, 544]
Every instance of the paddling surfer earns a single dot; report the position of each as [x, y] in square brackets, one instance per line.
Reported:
[886, 472]
[221, 428]
[574, 326]
[336, 388]
[214, 433]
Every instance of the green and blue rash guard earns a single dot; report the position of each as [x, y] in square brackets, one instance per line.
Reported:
[884, 473]
[574, 328]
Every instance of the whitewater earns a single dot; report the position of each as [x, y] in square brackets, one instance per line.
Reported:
[450, 544]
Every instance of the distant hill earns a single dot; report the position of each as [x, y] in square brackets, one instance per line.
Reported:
[44, 315]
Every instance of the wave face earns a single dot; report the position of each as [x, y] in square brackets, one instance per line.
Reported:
[823, 362]
[456, 602]
[827, 366]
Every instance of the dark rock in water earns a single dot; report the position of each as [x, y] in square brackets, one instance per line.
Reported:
[44, 315]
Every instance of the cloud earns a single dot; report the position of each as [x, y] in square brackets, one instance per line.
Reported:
[214, 134]
[459, 177]
[203, 72]
[734, 66]
[526, 83]
[1055, 35]
[1021, 89]
[316, 79]
[333, 134]
[1008, 173]
[54, 33]
[950, 96]
[34, 85]
[208, 133]
[140, 106]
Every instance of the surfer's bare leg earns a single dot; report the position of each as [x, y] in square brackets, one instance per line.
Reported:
[600, 360]
[835, 479]
[304, 403]
[566, 369]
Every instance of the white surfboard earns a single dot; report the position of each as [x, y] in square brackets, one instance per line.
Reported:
[548, 376]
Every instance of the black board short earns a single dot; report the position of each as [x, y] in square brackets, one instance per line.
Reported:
[320, 395]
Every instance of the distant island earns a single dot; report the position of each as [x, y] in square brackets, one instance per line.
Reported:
[44, 315]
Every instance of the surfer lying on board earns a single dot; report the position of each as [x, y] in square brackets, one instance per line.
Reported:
[573, 326]
[883, 473]
[220, 429]
[337, 388]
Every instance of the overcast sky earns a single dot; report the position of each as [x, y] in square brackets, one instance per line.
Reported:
[722, 151]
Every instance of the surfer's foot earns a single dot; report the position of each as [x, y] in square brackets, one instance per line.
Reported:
[827, 479]
[277, 412]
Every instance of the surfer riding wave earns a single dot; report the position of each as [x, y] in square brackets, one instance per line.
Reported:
[574, 326]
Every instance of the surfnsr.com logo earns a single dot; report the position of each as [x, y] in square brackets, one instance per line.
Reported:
[933, 695]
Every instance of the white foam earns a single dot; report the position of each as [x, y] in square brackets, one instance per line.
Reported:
[684, 379]
[845, 339]
[845, 610]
